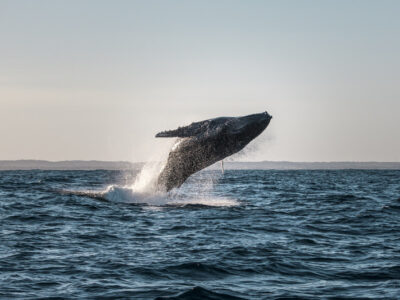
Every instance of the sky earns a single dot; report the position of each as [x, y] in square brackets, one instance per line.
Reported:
[96, 80]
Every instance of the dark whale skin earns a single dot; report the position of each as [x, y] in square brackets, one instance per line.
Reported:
[202, 144]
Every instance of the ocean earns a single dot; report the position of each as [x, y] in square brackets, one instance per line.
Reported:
[243, 234]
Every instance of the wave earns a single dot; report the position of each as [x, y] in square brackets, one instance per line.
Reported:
[199, 293]
[197, 270]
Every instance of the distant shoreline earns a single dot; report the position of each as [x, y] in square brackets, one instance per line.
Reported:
[125, 165]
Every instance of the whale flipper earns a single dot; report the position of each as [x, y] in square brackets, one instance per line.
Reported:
[194, 129]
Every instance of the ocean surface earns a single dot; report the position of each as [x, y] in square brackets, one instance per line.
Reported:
[244, 234]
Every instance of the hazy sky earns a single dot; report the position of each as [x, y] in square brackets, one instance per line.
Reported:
[98, 79]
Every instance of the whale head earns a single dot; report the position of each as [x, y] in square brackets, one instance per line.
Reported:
[237, 132]
[248, 127]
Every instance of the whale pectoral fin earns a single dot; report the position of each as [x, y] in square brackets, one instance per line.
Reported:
[170, 133]
[186, 131]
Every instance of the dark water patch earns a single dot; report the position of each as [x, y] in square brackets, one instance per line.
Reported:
[392, 207]
[310, 242]
[198, 271]
[343, 197]
[372, 273]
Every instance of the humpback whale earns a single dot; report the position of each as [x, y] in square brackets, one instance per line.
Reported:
[203, 143]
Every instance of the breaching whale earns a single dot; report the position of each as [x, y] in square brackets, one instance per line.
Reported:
[203, 143]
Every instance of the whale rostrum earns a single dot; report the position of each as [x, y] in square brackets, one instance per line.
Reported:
[203, 143]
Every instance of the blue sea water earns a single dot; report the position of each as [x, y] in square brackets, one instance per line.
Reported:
[244, 234]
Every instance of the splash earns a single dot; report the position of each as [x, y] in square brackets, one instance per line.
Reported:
[196, 191]
[146, 180]
[144, 188]
[128, 195]
[125, 194]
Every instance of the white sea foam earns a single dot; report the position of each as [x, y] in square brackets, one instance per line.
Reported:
[129, 195]
[207, 201]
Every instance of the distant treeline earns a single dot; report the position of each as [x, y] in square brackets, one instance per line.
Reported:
[288, 165]
[124, 165]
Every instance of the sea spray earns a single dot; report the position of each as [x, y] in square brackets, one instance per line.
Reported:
[200, 190]
[146, 180]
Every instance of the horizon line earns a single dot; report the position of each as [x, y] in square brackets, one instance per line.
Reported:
[226, 161]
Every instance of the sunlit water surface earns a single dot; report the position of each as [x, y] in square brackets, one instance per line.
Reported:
[242, 234]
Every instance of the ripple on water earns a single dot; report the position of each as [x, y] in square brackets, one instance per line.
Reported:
[247, 234]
